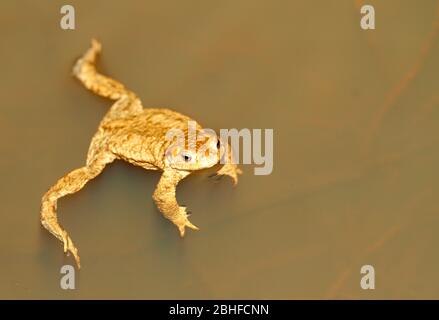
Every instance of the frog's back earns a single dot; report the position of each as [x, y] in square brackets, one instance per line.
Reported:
[162, 118]
[141, 138]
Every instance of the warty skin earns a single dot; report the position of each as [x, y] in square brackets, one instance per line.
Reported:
[134, 134]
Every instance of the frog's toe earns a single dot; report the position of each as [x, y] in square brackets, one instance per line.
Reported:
[182, 222]
[96, 45]
[191, 225]
[70, 247]
[182, 227]
[230, 170]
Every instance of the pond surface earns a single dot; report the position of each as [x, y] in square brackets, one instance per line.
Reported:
[356, 128]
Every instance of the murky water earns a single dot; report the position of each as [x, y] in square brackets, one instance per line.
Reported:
[355, 118]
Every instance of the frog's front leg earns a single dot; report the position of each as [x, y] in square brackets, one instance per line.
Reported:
[229, 168]
[165, 199]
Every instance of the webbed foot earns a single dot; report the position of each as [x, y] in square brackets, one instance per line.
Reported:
[228, 169]
[182, 221]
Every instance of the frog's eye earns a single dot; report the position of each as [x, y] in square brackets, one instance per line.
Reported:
[186, 157]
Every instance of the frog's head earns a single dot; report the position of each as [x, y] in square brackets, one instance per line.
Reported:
[203, 153]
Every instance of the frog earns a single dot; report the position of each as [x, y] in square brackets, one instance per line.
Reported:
[137, 135]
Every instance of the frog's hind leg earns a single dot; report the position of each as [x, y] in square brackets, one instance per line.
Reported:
[71, 183]
[127, 103]
[124, 107]
[85, 71]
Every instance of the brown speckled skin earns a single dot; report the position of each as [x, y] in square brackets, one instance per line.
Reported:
[134, 134]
